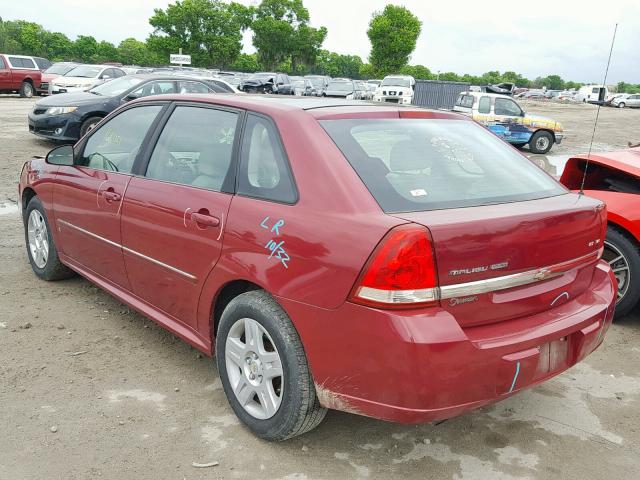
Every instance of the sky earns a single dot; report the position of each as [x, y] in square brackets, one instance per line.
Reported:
[570, 38]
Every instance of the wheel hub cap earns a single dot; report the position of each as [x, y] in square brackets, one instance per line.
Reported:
[254, 368]
[38, 238]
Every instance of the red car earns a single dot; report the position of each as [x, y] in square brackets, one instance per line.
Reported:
[398, 263]
[20, 74]
[614, 178]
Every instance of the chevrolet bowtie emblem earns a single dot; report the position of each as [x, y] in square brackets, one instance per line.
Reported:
[542, 274]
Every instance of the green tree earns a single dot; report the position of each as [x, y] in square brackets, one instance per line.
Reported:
[305, 48]
[106, 52]
[337, 65]
[449, 77]
[85, 48]
[57, 45]
[209, 30]
[135, 52]
[393, 34]
[246, 63]
[281, 33]
[417, 71]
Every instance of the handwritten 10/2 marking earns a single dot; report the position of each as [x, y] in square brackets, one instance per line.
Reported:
[276, 248]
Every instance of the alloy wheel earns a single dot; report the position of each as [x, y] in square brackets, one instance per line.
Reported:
[254, 368]
[620, 266]
[38, 238]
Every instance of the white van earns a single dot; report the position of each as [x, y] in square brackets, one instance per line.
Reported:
[593, 94]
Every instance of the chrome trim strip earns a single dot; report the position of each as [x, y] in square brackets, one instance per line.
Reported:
[516, 279]
[128, 250]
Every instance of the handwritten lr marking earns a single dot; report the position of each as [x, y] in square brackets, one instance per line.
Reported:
[276, 248]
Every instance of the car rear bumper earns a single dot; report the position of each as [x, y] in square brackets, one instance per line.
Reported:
[421, 366]
[64, 127]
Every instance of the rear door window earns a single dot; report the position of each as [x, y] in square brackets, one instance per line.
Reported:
[18, 62]
[465, 101]
[427, 164]
[114, 146]
[156, 88]
[264, 168]
[193, 87]
[195, 148]
[484, 105]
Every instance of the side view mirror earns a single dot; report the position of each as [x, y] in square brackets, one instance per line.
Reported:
[131, 96]
[62, 155]
[106, 77]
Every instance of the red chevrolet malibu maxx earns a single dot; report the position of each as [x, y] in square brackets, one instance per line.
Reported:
[393, 262]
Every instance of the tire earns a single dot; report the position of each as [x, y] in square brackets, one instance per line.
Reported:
[541, 142]
[37, 235]
[26, 90]
[618, 244]
[299, 409]
[88, 125]
[621, 105]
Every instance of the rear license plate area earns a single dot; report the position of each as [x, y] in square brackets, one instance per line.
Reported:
[554, 356]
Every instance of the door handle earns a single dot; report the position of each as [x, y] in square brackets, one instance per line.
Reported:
[111, 196]
[204, 220]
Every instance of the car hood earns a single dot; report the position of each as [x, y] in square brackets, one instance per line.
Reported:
[70, 99]
[47, 77]
[75, 80]
[255, 82]
[538, 121]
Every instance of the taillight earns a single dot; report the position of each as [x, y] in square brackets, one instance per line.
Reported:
[401, 272]
[602, 209]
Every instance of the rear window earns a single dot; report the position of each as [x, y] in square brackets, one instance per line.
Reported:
[18, 62]
[413, 165]
[465, 101]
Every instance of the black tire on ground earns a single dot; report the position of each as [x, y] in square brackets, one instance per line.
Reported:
[53, 269]
[300, 410]
[26, 90]
[631, 252]
[541, 142]
[621, 105]
[88, 124]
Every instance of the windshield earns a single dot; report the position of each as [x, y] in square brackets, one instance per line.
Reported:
[413, 165]
[86, 71]
[116, 87]
[341, 86]
[396, 82]
[316, 81]
[59, 68]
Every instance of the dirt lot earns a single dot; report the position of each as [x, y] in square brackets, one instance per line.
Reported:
[89, 389]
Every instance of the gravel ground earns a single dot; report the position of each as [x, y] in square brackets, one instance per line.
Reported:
[89, 389]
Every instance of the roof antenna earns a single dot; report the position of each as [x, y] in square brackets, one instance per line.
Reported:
[595, 125]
